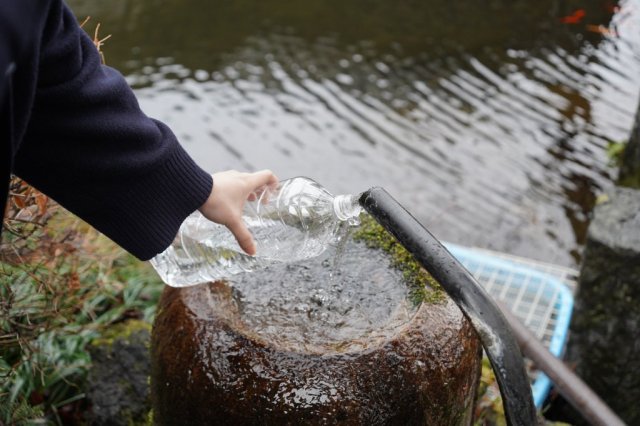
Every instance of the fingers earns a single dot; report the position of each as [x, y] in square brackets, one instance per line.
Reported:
[263, 182]
[264, 178]
[243, 236]
[231, 190]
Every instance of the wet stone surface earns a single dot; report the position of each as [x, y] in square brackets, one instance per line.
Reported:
[117, 386]
[630, 165]
[335, 340]
[605, 327]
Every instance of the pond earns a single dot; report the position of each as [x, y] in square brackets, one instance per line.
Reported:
[489, 121]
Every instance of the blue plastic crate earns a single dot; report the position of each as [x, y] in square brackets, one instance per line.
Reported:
[539, 296]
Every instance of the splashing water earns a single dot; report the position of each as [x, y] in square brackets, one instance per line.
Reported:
[349, 298]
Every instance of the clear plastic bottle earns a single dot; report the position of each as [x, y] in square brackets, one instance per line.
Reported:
[296, 221]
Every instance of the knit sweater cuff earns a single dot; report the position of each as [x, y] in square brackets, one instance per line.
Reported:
[154, 207]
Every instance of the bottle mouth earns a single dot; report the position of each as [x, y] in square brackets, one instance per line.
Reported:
[346, 207]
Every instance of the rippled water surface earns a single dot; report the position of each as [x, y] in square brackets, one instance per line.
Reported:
[488, 120]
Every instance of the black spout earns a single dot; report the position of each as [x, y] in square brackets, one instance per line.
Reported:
[477, 306]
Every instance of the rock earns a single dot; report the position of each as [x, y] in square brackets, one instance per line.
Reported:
[630, 166]
[118, 382]
[211, 366]
[605, 331]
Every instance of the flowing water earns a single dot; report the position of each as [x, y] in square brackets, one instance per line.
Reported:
[489, 121]
[348, 299]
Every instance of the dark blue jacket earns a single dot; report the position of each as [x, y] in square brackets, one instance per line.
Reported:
[72, 128]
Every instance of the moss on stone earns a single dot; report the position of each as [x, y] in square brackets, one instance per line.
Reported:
[122, 330]
[630, 181]
[422, 286]
[130, 420]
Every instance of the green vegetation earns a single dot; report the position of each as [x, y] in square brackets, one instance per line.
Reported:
[629, 174]
[489, 409]
[422, 286]
[62, 285]
[121, 330]
[631, 181]
[615, 150]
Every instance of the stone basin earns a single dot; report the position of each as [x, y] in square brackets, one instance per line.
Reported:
[222, 354]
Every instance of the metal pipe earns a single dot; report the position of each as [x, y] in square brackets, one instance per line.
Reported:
[568, 384]
[492, 328]
[478, 307]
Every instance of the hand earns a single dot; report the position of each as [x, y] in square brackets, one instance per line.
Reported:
[231, 189]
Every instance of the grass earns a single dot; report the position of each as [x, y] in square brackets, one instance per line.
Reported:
[62, 285]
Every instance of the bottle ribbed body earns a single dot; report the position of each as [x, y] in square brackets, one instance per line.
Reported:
[296, 221]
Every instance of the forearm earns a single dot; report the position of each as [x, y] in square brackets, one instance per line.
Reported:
[89, 146]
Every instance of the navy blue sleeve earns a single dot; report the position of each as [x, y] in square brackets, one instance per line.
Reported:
[90, 147]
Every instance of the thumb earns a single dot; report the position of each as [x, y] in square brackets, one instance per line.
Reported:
[243, 236]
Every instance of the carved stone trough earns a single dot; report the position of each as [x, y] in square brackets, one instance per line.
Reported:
[340, 339]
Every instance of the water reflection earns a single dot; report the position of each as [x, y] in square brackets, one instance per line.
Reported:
[488, 121]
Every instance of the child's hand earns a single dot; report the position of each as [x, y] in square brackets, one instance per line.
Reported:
[231, 189]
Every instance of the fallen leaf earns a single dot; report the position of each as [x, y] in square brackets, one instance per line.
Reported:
[41, 202]
[18, 200]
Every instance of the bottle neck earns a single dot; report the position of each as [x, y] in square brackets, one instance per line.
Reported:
[346, 207]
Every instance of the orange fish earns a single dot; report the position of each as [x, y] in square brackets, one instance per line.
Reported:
[575, 18]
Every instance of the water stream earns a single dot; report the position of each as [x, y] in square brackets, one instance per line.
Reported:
[489, 121]
[347, 300]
